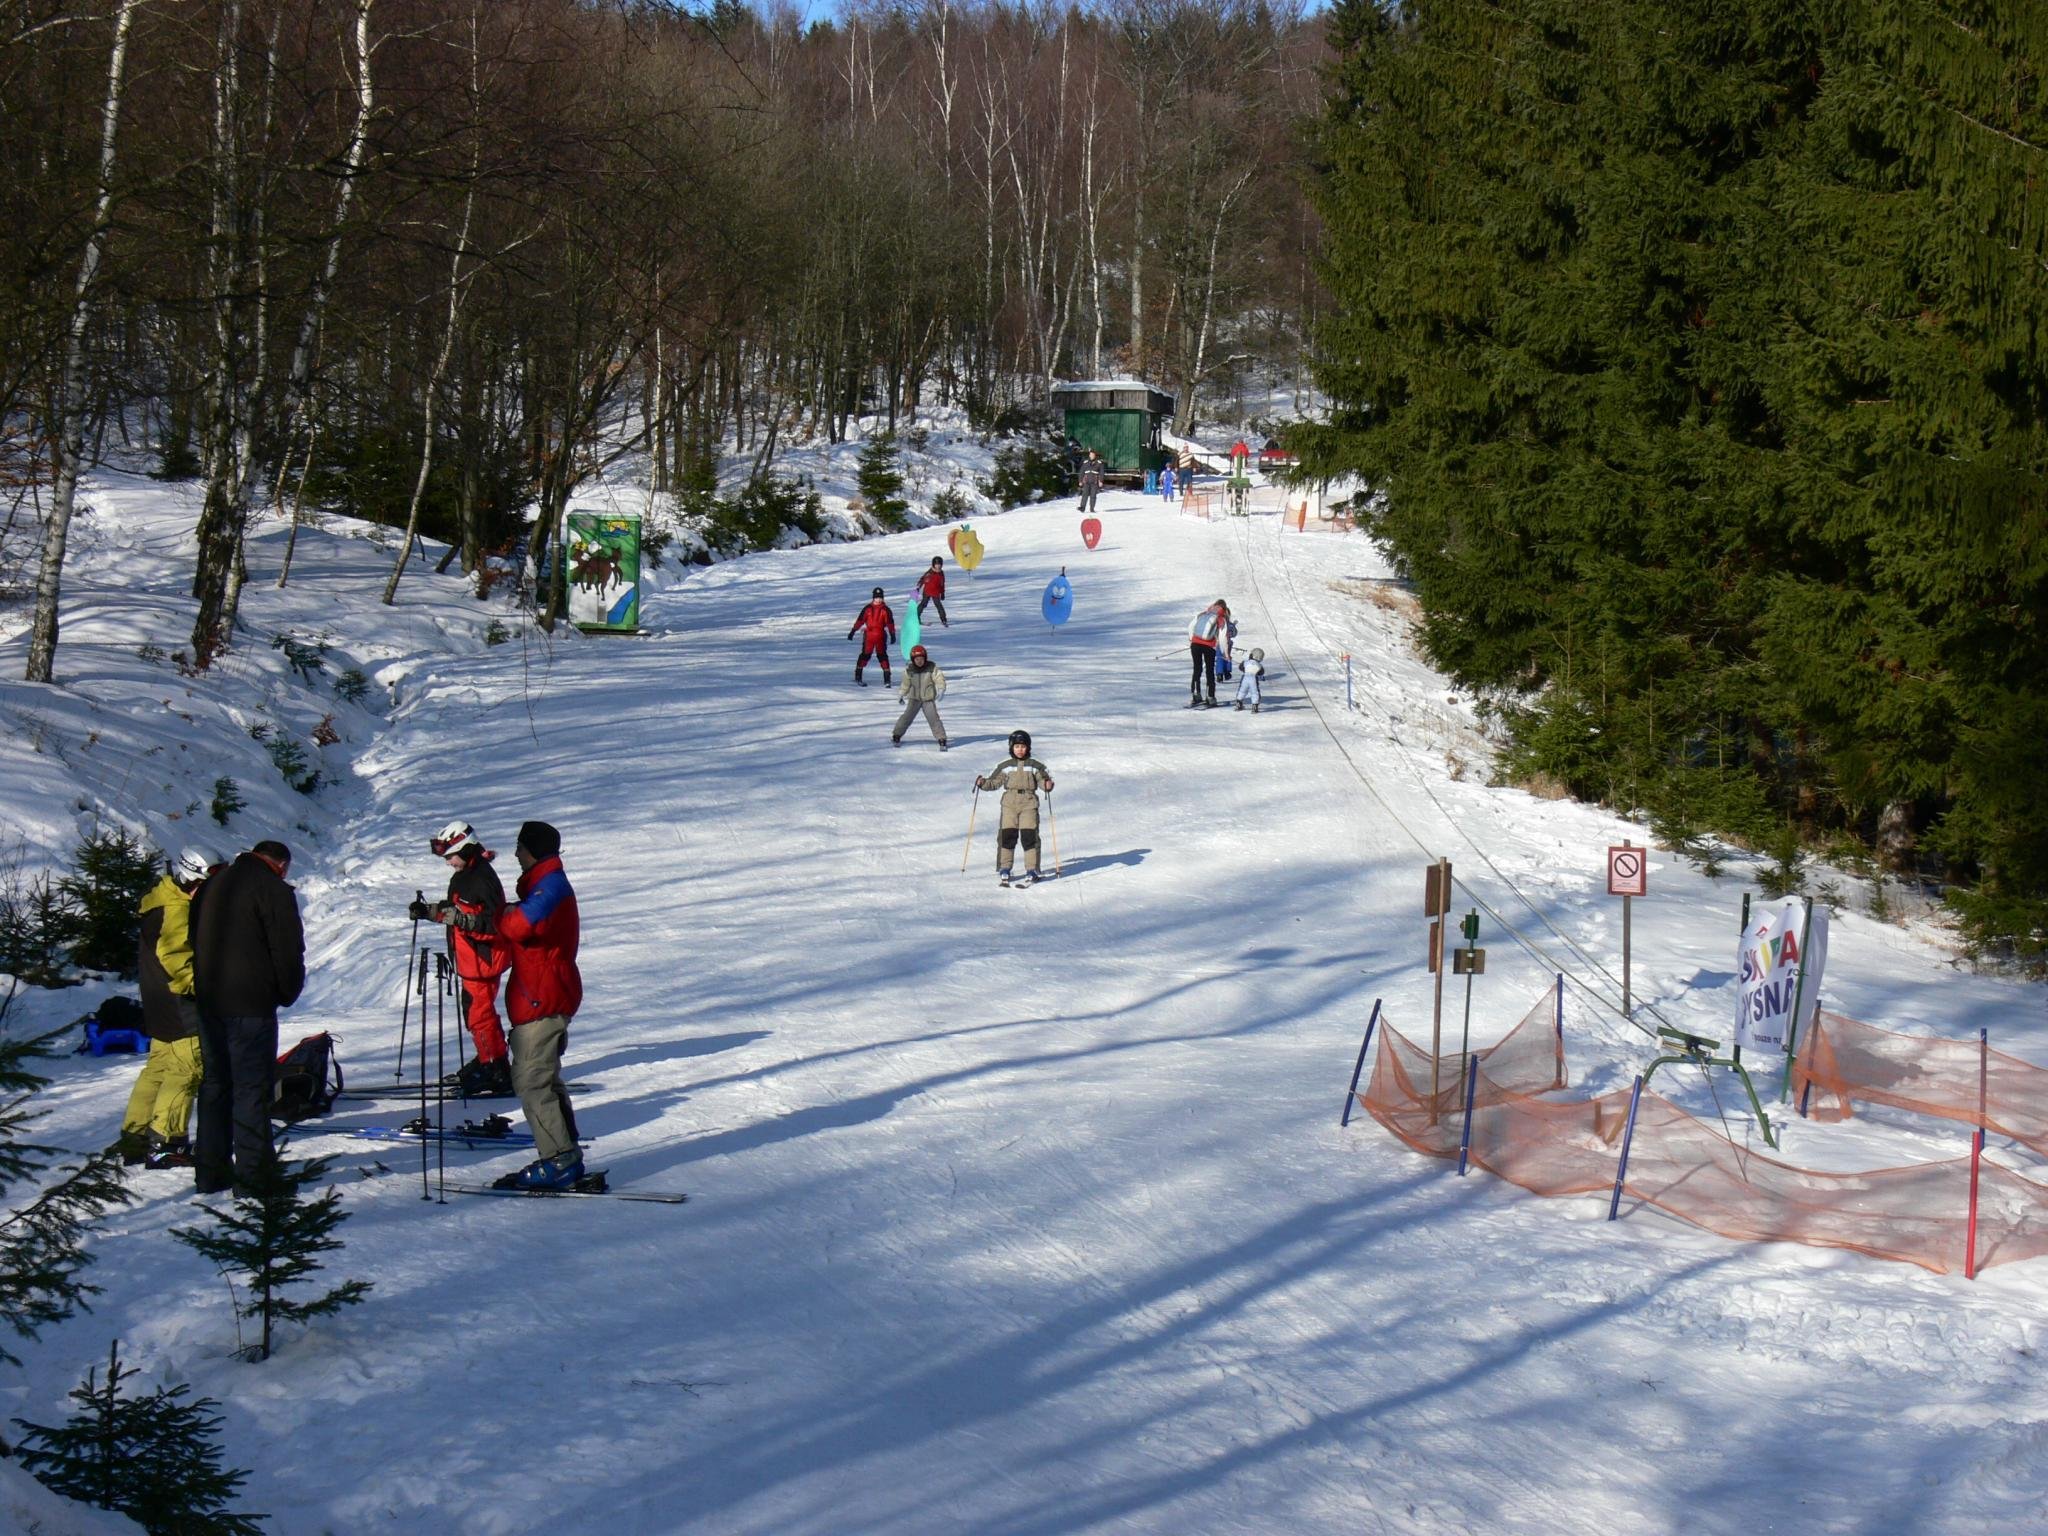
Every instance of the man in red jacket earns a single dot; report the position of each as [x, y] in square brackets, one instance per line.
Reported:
[876, 626]
[931, 588]
[542, 994]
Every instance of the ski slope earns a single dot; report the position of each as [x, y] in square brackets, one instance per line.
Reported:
[1027, 1212]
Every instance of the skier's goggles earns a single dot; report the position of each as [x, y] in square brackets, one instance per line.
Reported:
[443, 846]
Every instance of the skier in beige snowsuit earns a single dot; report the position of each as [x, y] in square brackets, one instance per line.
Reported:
[1020, 777]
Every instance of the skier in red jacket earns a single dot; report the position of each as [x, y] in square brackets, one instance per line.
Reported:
[542, 994]
[931, 588]
[876, 626]
[474, 889]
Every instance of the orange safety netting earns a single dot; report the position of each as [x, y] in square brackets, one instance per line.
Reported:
[1952, 1079]
[1524, 1133]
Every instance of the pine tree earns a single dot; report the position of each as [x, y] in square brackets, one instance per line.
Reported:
[881, 482]
[42, 1243]
[271, 1235]
[151, 1458]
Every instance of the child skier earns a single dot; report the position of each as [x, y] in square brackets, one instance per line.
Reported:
[931, 588]
[876, 626]
[1249, 673]
[923, 686]
[1020, 777]
[1226, 653]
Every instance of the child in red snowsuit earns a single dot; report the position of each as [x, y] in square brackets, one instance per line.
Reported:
[931, 588]
[876, 626]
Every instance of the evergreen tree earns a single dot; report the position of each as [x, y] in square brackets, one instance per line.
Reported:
[272, 1235]
[153, 1459]
[881, 482]
[1693, 348]
[111, 872]
[42, 1243]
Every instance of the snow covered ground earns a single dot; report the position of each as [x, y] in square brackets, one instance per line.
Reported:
[1012, 1212]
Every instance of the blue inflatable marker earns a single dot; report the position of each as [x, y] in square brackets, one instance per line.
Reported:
[910, 631]
[1058, 603]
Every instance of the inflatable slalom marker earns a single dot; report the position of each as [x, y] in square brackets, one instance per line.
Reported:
[1058, 603]
[967, 550]
[1091, 531]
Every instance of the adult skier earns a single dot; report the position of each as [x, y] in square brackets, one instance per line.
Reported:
[155, 1127]
[248, 961]
[474, 890]
[876, 626]
[931, 588]
[539, 933]
[923, 686]
[1020, 777]
[1203, 636]
[1090, 481]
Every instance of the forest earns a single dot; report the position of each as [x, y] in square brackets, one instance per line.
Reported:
[1695, 352]
[432, 262]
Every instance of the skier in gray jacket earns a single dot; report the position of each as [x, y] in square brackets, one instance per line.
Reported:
[1020, 777]
[923, 686]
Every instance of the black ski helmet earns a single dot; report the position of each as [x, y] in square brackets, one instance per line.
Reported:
[878, 592]
[1021, 739]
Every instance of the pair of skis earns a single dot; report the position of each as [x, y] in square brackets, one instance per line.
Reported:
[593, 1185]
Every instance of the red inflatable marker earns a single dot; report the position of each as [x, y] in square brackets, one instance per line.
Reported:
[953, 542]
[1091, 530]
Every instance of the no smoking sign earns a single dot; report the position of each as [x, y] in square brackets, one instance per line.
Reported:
[1628, 871]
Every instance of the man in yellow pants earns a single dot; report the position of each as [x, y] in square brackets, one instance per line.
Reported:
[153, 1130]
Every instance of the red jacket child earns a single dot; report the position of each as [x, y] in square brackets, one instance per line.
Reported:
[876, 626]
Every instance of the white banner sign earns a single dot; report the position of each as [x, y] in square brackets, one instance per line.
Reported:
[1771, 963]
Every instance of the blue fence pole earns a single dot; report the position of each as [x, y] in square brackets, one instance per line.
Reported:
[1471, 1088]
[1351, 1093]
[1347, 680]
[1628, 1135]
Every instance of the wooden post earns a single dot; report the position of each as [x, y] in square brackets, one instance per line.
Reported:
[1436, 1022]
[1626, 902]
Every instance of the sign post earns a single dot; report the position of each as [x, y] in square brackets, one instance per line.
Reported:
[1468, 961]
[1436, 901]
[1628, 876]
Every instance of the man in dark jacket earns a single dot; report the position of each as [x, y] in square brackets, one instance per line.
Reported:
[248, 961]
[542, 994]
[475, 891]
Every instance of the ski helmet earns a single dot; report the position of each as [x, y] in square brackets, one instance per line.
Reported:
[456, 837]
[1021, 739]
[919, 653]
[878, 592]
[1257, 654]
[938, 559]
[193, 865]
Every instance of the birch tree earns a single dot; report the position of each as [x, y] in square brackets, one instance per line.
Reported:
[71, 391]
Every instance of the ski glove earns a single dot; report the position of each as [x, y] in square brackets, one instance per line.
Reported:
[419, 910]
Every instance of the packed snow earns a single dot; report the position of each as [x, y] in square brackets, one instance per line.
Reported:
[1011, 1212]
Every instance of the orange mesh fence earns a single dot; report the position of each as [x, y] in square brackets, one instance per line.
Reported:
[1522, 1131]
[1844, 1061]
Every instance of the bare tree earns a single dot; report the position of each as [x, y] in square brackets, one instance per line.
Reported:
[71, 392]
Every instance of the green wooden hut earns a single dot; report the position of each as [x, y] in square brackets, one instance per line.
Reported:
[1120, 419]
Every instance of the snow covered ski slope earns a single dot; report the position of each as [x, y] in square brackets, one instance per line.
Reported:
[1028, 1213]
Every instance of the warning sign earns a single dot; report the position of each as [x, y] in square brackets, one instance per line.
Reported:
[1628, 871]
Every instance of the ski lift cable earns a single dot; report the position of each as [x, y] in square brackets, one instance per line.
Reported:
[1536, 950]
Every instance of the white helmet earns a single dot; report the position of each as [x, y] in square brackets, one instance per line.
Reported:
[453, 838]
[193, 865]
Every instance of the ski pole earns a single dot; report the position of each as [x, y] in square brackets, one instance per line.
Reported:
[423, 1075]
[971, 812]
[1053, 822]
[405, 1014]
[441, 1067]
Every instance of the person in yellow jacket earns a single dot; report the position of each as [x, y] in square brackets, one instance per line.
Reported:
[153, 1130]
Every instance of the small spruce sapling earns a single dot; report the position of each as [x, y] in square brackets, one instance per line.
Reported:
[881, 482]
[111, 872]
[227, 799]
[42, 1243]
[152, 1458]
[272, 1235]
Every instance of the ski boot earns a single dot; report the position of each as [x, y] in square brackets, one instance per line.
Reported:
[174, 1152]
[942, 746]
[1194, 701]
[1240, 706]
[1003, 878]
[543, 1174]
[895, 741]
